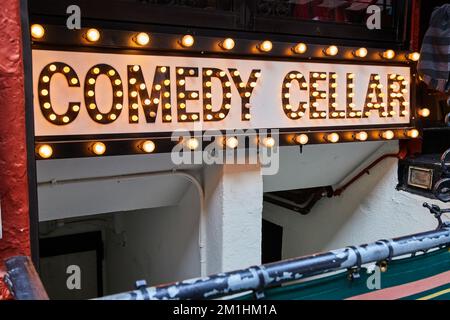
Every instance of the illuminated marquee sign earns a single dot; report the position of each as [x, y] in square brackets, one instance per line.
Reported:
[86, 94]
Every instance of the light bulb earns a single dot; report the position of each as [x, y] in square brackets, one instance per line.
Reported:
[388, 135]
[332, 137]
[45, 151]
[300, 48]
[232, 142]
[268, 142]
[413, 133]
[424, 112]
[302, 139]
[331, 51]
[93, 35]
[187, 41]
[192, 143]
[414, 56]
[148, 146]
[99, 148]
[227, 44]
[361, 136]
[388, 54]
[265, 46]
[142, 39]
[37, 31]
[361, 52]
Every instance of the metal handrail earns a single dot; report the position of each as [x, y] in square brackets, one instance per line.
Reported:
[257, 278]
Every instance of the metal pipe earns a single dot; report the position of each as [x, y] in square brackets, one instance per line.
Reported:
[182, 174]
[259, 277]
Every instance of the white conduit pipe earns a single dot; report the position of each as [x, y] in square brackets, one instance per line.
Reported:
[187, 176]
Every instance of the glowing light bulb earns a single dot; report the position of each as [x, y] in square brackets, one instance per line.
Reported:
[98, 148]
[361, 52]
[187, 41]
[148, 146]
[414, 56]
[388, 54]
[413, 133]
[332, 137]
[268, 142]
[265, 46]
[45, 151]
[192, 143]
[232, 142]
[142, 39]
[361, 136]
[227, 44]
[388, 135]
[37, 31]
[302, 139]
[331, 51]
[300, 48]
[93, 35]
[424, 112]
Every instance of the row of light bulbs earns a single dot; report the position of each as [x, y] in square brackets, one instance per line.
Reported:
[187, 41]
[45, 151]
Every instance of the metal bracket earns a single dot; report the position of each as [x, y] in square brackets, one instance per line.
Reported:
[259, 291]
[141, 285]
[383, 265]
[354, 272]
[437, 212]
[441, 189]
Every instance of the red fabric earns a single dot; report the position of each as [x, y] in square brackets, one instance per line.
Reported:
[13, 155]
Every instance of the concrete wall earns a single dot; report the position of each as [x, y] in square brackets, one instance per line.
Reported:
[369, 210]
[234, 216]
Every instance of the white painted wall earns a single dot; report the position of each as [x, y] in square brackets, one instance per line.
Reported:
[160, 245]
[234, 215]
[368, 210]
[60, 201]
[318, 165]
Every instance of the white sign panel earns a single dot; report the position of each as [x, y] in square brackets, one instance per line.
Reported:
[84, 93]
